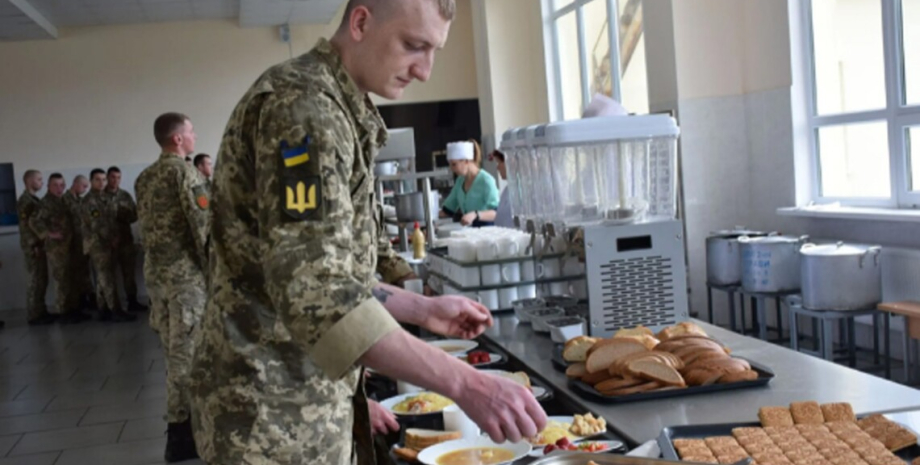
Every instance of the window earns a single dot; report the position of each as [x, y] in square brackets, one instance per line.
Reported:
[864, 100]
[580, 63]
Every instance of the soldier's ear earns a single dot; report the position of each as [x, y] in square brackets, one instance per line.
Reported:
[357, 23]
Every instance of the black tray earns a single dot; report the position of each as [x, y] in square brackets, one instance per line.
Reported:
[669, 434]
[588, 392]
[558, 361]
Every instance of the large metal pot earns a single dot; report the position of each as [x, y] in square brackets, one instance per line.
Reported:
[723, 256]
[410, 207]
[841, 277]
[771, 264]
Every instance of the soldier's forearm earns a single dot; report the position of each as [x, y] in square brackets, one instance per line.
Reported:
[404, 306]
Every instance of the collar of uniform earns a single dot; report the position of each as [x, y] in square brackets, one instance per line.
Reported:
[169, 156]
[361, 105]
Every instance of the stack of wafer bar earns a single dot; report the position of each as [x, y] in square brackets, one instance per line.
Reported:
[805, 434]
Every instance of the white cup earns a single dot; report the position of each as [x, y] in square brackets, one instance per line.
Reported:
[559, 288]
[531, 271]
[527, 291]
[506, 296]
[489, 299]
[416, 285]
[491, 275]
[467, 276]
[463, 250]
[486, 250]
[523, 241]
[558, 245]
[551, 268]
[456, 420]
[508, 248]
[451, 290]
[403, 387]
[511, 273]
[572, 267]
[472, 296]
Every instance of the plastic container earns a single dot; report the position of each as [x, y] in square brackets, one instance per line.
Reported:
[535, 137]
[524, 174]
[514, 184]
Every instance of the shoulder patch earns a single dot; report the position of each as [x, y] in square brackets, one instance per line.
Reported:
[302, 199]
[201, 197]
[297, 155]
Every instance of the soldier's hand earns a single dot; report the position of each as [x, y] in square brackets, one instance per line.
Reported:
[457, 316]
[504, 409]
[382, 420]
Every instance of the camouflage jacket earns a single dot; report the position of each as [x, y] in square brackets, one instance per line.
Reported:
[293, 254]
[55, 216]
[126, 214]
[28, 207]
[100, 227]
[172, 205]
[390, 265]
[75, 205]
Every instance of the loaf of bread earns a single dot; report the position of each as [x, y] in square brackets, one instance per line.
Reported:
[576, 349]
[420, 439]
[656, 371]
[612, 350]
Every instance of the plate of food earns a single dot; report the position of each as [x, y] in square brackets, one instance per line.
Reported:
[417, 403]
[575, 428]
[587, 447]
[473, 451]
[481, 358]
[455, 346]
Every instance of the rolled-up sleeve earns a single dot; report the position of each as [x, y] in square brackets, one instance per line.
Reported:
[320, 292]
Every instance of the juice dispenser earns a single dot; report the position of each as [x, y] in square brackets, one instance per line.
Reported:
[514, 184]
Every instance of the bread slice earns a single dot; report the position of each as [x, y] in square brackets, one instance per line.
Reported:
[406, 454]
[576, 370]
[594, 378]
[806, 413]
[601, 358]
[703, 353]
[725, 365]
[649, 386]
[637, 331]
[618, 367]
[746, 375]
[702, 377]
[576, 349]
[648, 341]
[518, 377]
[775, 416]
[685, 327]
[619, 383]
[420, 439]
[656, 371]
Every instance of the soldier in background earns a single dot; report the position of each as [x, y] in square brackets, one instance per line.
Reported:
[56, 226]
[101, 240]
[173, 205]
[126, 252]
[81, 275]
[33, 250]
[204, 166]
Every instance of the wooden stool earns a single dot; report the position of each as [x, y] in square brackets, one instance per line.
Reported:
[911, 313]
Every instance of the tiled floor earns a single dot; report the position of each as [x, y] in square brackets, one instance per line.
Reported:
[92, 393]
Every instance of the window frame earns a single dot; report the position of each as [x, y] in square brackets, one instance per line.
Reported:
[898, 115]
[551, 43]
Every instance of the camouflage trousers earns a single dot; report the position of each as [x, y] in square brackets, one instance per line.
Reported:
[81, 278]
[37, 267]
[66, 297]
[106, 293]
[127, 261]
[175, 312]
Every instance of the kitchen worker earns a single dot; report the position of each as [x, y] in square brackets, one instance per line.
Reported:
[125, 251]
[503, 216]
[81, 275]
[294, 311]
[100, 239]
[474, 197]
[33, 250]
[173, 209]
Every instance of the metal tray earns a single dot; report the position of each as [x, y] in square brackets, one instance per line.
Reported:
[600, 459]
[669, 434]
[558, 361]
[588, 392]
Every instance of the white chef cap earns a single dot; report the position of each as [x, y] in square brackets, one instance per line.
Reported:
[460, 151]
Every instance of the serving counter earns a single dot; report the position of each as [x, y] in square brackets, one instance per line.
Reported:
[799, 377]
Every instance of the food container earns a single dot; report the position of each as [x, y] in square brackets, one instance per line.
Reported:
[560, 300]
[520, 307]
[538, 317]
[563, 328]
[723, 256]
[841, 277]
[771, 264]
[576, 458]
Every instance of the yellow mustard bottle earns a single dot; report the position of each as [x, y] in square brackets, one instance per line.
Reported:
[418, 243]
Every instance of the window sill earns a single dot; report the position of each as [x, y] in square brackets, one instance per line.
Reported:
[852, 213]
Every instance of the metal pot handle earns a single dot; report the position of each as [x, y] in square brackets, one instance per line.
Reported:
[744, 239]
[803, 238]
[877, 253]
[773, 233]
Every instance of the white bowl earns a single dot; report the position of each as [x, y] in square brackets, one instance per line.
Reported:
[431, 455]
[563, 328]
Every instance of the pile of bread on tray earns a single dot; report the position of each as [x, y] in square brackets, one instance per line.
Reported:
[805, 434]
[636, 360]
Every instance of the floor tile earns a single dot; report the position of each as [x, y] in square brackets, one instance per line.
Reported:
[9, 392]
[152, 392]
[144, 452]
[7, 443]
[47, 458]
[145, 379]
[125, 411]
[73, 401]
[158, 365]
[44, 391]
[144, 428]
[41, 422]
[23, 407]
[71, 438]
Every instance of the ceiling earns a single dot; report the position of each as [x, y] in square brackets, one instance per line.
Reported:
[40, 19]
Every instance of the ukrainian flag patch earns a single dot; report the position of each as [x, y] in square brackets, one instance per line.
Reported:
[297, 155]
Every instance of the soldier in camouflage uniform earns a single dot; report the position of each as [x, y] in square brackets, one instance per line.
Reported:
[173, 206]
[100, 231]
[126, 252]
[81, 275]
[33, 250]
[294, 310]
[56, 226]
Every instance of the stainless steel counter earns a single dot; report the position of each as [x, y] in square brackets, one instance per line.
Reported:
[799, 377]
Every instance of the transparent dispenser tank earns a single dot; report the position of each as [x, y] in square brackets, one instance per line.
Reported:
[524, 175]
[543, 174]
[514, 185]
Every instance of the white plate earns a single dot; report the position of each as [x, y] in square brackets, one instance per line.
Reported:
[461, 346]
[493, 359]
[569, 420]
[538, 391]
[611, 445]
[392, 401]
[430, 455]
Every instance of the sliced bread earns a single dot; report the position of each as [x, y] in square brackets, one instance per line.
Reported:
[419, 439]
[637, 331]
[644, 387]
[594, 378]
[685, 327]
[702, 377]
[746, 375]
[576, 370]
[647, 340]
[619, 383]
[576, 349]
[604, 356]
[725, 365]
[656, 371]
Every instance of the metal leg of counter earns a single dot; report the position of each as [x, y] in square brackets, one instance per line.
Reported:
[875, 339]
[823, 324]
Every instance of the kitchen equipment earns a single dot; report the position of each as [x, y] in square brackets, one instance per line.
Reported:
[538, 317]
[386, 168]
[723, 256]
[527, 291]
[410, 207]
[771, 264]
[511, 273]
[582, 458]
[520, 307]
[489, 299]
[566, 327]
[841, 276]
[507, 296]
[491, 275]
